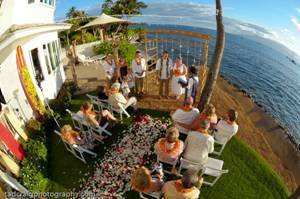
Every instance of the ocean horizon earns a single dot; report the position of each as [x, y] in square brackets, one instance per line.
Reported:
[267, 71]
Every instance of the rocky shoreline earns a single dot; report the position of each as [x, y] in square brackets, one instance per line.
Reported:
[261, 131]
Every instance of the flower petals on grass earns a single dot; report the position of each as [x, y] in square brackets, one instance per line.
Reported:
[113, 172]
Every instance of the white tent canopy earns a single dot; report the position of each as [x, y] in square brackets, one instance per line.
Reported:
[102, 20]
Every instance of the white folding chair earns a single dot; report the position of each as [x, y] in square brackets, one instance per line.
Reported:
[223, 139]
[171, 164]
[187, 164]
[181, 129]
[76, 150]
[98, 104]
[214, 168]
[121, 110]
[223, 143]
[81, 124]
[85, 60]
[153, 195]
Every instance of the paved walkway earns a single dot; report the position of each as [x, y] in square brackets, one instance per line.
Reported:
[93, 75]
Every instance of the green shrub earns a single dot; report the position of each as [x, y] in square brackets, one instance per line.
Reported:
[103, 48]
[33, 174]
[36, 148]
[88, 37]
[127, 50]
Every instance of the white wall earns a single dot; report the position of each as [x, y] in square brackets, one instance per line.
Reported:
[10, 82]
[20, 12]
[9, 78]
[53, 82]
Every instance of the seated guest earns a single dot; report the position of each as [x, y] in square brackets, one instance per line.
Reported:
[185, 115]
[185, 188]
[95, 118]
[142, 181]
[102, 93]
[125, 86]
[117, 97]
[168, 149]
[227, 128]
[199, 144]
[209, 114]
[74, 137]
[71, 136]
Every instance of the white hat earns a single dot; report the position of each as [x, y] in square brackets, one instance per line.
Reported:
[116, 85]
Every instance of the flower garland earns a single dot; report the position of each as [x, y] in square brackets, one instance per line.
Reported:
[113, 172]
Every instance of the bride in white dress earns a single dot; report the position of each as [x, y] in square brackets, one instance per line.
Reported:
[179, 71]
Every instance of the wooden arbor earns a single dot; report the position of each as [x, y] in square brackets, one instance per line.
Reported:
[191, 46]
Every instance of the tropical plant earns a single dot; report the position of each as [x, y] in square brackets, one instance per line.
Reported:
[103, 48]
[127, 50]
[123, 7]
[216, 62]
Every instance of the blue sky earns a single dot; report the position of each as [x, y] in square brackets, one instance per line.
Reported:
[281, 18]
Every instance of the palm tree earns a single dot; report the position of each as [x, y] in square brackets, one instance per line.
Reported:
[123, 7]
[74, 13]
[217, 58]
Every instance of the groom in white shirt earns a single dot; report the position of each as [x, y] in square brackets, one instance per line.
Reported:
[163, 68]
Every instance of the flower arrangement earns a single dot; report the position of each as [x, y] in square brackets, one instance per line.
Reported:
[113, 173]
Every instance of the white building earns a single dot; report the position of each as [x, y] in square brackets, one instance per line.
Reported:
[29, 25]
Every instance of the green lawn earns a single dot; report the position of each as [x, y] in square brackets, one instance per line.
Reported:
[249, 175]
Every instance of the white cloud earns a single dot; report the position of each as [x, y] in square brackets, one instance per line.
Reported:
[298, 9]
[296, 22]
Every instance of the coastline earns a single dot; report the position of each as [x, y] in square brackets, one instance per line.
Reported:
[260, 131]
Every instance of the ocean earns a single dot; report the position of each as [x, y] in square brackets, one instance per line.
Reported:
[267, 71]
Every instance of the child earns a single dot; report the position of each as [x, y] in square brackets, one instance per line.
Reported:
[125, 86]
[130, 80]
[191, 85]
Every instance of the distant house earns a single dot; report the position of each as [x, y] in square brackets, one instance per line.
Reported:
[31, 72]
[30, 55]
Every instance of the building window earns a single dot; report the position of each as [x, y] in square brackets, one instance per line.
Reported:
[30, 1]
[53, 52]
[47, 59]
[48, 2]
[37, 66]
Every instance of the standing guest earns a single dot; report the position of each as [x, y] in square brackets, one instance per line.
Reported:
[169, 148]
[123, 67]
[191, 85]
[117, 97]
[199, 144]
[209, 114]
[227, 128]
[185, 115]
[109, 68]
[131, 81]
[142, 181]
[95, 118]
[139, 72]
[163, 68]
[179, 72]
[185, 188]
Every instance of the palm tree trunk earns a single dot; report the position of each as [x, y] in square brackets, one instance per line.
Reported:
[296, 194]
[216, 64]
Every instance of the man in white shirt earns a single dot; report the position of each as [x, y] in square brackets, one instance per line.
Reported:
[116, 97]
[199, 144]
[227, 128]
[186, 115]
[139, 71]
[163, 68]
